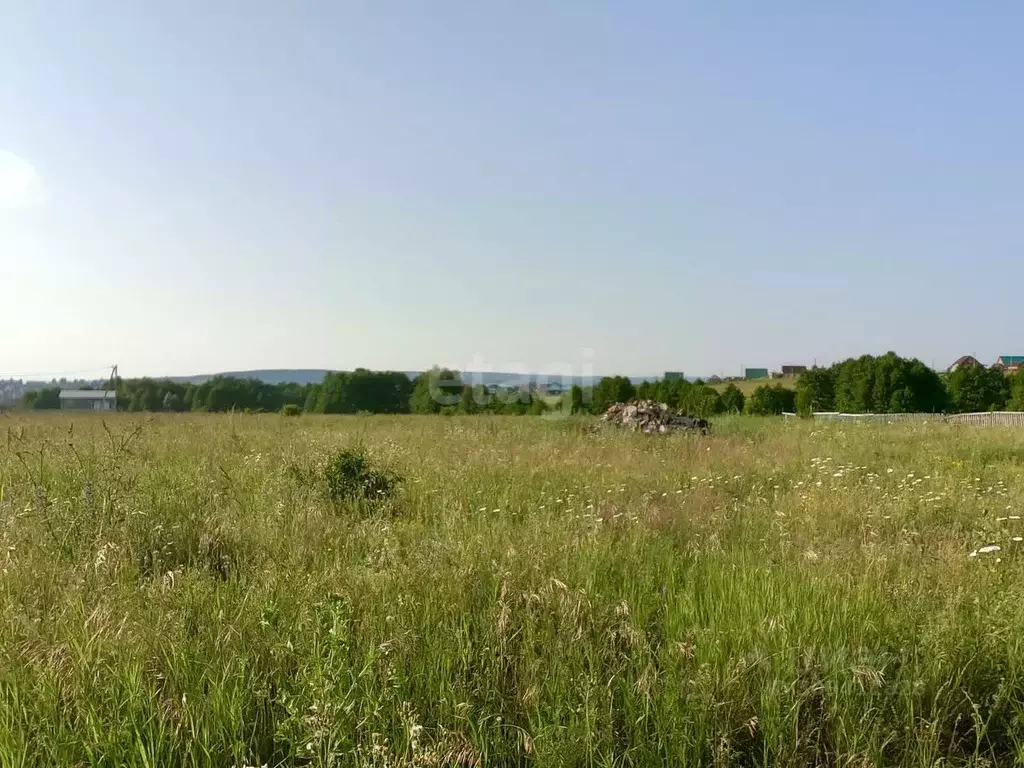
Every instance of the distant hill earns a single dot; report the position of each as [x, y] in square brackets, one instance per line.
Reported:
[270, 376]
[316, 375]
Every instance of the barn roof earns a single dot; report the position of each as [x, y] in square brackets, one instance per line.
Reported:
[87, 394]
[965, 360]
[1011, 359]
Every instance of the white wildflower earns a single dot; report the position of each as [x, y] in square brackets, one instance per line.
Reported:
[989, 548]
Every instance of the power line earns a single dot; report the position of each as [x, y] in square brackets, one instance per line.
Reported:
[105, 369]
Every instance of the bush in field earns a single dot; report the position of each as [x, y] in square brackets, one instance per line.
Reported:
[733, 399]
[348, 476]
[434, 389]
[1016, 392]
[771, 401]
[610, 390]
[816, 391]
[700, 401]
[42, 400]
[291, 410]
[572, 400]
[973, 388]
[888, 384]
[365, 390]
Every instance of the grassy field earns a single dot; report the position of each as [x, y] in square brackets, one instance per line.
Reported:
[179, 591]
[747, 386]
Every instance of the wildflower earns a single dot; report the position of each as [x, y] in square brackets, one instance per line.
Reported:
[989, 548]
[1017, 538]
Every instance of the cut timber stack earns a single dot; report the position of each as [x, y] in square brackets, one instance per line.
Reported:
[653, 418]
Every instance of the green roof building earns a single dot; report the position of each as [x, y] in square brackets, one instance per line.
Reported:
[1009, 362]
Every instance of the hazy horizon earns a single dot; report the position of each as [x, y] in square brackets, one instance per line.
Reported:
[187, 189]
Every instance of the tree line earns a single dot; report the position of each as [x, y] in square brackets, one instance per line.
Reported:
[867, 384]
[694, 398]
[892, 384]
[359, 391]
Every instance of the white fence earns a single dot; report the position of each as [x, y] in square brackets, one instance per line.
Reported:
[989, 419]
[985, 418]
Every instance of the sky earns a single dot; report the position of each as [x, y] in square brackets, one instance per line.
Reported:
[585, 187]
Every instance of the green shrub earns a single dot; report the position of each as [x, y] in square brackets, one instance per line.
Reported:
[816, 391]
[771, 401]
[350, 477]
[733, 399]
[291, 410]
[974, 388]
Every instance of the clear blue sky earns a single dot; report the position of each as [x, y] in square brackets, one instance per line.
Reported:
[192, 186]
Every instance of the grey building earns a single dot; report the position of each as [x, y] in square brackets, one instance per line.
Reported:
[88, 400]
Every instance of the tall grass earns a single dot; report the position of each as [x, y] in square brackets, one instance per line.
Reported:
[181, 591]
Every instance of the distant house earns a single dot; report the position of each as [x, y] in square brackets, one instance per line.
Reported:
[674, 376]
[967, 361]
[88, 400]
[755, 373]
[793, 370]
[1009, 363]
